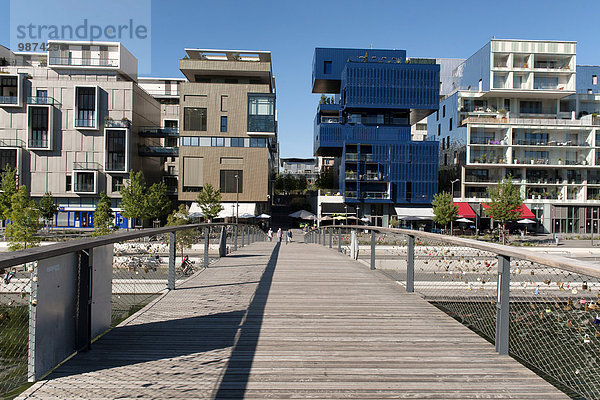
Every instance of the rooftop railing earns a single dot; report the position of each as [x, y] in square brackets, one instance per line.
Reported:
[84, 62]
[541, 309]
[55, 299]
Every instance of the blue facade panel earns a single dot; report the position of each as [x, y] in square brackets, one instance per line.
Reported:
[585, 79]
[328, 64]
[395, 86]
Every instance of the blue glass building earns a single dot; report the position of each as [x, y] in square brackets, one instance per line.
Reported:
[377, 96]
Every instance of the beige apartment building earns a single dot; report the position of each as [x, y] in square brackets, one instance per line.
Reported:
[71, 121]
[228, 128]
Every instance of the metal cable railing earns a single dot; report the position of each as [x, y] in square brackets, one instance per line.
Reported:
[543, 310]
[123, 272]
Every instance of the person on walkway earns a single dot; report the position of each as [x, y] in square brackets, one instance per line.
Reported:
[270, 234]
[289, 236]
[279, 235]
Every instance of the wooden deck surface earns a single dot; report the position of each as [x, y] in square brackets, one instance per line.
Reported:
[294, 321]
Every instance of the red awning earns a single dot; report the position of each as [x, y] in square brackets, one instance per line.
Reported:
[465, 211]
[525, 212]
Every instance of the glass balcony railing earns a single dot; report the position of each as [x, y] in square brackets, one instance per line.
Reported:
[8, 100]
[40, 100]
[486, 140]
[375, 195]
[37, 143]
[85, 123]
[351, 175]
[351, 157]
[120, 123]
[158, 132]
[261, 123]
[84, 62]
[86, 166]
[351, 194]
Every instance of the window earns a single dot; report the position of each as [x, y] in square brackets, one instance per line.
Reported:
[258, 142]
[531, 107]
[8, 90]
[261, 113]
[450, 124]
[117, 183]
[439, 129]
[116, 150]
[38, 127]
[41, 96]
[327, 67]
[437, 115]
[193, 174]
[594, 79]
[237, 142]
[194, 119]
[224, 101]
[444, 111]
[85, 182]
[223, 123]
[8, 157]
[68, 186]
[85, 107]
[507, 104]
[229, 182]
[217, 142]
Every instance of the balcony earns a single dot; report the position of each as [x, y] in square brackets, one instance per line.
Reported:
[121, 123]
[351, 175]
[491, 141]
[146, 131]
[84, 62]
[375, 195]
[41, 100]
[85, 123]
[86, 166]
[351, 157]
[530, 121]
[372, 176]
[158, 151]
[351, 194]
[9, 100]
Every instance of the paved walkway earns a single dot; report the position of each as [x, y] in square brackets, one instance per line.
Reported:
[291, 321]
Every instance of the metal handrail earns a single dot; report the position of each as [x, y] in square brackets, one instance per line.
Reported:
[39, 253]
[568, 264]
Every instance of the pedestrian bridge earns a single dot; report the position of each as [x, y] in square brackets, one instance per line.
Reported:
[290, 321]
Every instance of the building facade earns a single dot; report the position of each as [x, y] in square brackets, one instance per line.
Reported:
[228, 128]
[300, 167]
[378, 96]
[523, 108]
[70, 120]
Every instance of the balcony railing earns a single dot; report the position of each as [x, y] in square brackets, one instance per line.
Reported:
[375, 195]
[351, 157]
[84, 62]
[37, 143]
[158, 151]
[351, 194]
[86, 166]
[9, 100]
[11, 143]
[85, 123]
[529, 121]
[41, 100]
[160, 132]
[120, 123]
[351, 175]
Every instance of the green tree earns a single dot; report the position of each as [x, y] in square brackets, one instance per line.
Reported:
[103, 217]
[289, 183]
[48, 209]
[8, 186]
[183, 238]
[157, 203]
[279, 184]
[325, 179]
[24, 221]
[301, 183]
[444, 209]
[505, 201]
[133, 192]
[209, 200]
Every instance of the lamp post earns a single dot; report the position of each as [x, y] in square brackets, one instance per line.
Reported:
[357, 215]
[452, 221]
[346, 208]
[237, 198]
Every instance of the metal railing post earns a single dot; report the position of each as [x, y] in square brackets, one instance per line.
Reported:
[243, 230]
[372, 249]
[503, 305]
[330, 238]
[235, 233]
[339, 240]
[410, 265]
[206, 243]
[171, 272]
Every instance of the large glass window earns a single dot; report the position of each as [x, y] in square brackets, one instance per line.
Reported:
[258, 142]
[84, 182]
[8, 158]
[8, 90]
[194, 119]
[223, 123]
[38, 127]
[261, 113]
[229, 182]
[237, 142]
[85, 107]
[115, 150]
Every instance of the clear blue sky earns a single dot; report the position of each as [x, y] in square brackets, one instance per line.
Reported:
[292, 29]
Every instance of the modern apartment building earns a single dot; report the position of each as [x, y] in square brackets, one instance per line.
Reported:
[228, 130]
[378, 96]
[524, 108]
[70, 122]
[300, 167]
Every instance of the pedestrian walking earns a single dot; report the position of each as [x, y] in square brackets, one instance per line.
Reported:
[270, 234]
[289, 236]
[279, 235]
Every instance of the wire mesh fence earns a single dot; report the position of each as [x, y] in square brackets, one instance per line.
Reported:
[15, 289]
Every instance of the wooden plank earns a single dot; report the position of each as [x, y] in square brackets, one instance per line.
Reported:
[298, 322]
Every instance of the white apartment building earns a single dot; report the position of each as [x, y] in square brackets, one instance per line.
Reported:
[517, 112]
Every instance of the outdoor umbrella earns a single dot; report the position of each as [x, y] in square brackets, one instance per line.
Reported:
[265, 216]
[303, 214]
[525, 221]
[463, 220]
[326, 218]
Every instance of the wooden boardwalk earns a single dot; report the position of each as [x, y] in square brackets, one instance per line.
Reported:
[291, 321]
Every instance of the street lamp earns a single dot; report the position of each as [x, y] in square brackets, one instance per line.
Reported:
[452, 221]
[346, 208]
[358, 215]
[237, 198]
